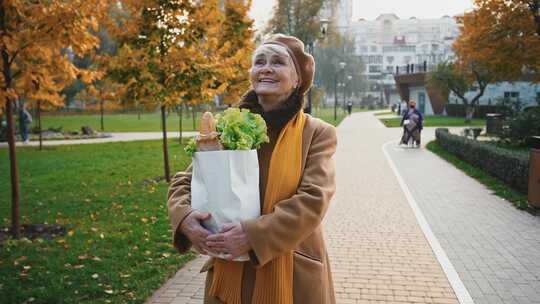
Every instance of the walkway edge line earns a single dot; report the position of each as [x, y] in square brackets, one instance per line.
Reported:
[457, 285]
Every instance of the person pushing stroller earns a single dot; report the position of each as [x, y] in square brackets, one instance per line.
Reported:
[412, 123]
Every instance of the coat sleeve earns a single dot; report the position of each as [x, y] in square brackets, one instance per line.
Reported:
[294, 219]
[179, 206]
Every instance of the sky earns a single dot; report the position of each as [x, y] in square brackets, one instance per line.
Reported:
[261, 10]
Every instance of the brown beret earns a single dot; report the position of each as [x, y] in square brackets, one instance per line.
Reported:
[303, 62]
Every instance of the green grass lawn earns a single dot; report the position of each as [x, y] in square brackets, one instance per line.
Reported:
[119, 247]
[384, 113]
[497, 186]
[120, 122]
[147, 122]
[327, 114]
[437, 121]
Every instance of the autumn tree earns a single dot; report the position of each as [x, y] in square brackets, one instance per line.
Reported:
[238, 40]
[169, 53]
[299, 18]
[502, 36]
[35, 36]
[450, 77]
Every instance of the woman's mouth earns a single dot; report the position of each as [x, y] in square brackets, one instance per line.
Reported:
[267, 80]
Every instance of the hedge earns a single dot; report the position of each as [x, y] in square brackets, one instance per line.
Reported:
[511, 167]
[480, 111]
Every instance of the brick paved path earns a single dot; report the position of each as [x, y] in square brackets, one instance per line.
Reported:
[378, 252]
[494, 247]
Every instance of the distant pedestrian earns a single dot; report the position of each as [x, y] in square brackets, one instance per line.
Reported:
[25, 119]
[349, 107]
[412, 123]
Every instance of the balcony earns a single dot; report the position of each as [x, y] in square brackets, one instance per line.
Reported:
[415, 68]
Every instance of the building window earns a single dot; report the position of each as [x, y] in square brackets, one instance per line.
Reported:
[373, 48]
[508, 95]
[538, 98]
[375, 68]
[390, 59]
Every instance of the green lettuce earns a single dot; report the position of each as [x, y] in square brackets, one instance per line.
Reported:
[238, 129]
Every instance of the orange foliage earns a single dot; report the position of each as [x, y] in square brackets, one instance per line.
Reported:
[36, 38]
[500, 37]
[190, 58]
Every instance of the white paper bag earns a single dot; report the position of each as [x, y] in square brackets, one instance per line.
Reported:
[226, 185]
[406, 122]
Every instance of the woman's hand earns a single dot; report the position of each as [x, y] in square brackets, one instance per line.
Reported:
[195, 232]
[231, 241]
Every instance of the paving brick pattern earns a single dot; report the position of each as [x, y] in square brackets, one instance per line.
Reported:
[494, 247]
[377, 250]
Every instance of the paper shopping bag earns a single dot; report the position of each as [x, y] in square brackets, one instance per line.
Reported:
[226, 185]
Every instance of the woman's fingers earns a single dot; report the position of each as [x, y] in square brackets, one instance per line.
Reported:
[227, 227]
[218, 237]
[217, 246]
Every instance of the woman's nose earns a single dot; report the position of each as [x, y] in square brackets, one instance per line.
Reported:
[265, 69]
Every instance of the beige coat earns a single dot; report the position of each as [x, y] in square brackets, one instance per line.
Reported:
[294, 225]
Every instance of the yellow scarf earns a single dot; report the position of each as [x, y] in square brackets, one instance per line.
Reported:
[273, 281]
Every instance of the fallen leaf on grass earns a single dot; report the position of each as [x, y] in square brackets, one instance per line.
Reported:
[166, 255]
[96, 259]
[95, 276]
[78, 266]
[18, 260]
[83, 257]
[109, 291]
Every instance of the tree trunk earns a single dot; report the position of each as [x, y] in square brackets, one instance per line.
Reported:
[101, 111]
[39, 125]
[165, 148]
[180, 110]
[139, 113]
[15, 224]
[469, 113]
[193, 117]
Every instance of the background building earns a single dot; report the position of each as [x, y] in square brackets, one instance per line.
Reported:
[389, 43]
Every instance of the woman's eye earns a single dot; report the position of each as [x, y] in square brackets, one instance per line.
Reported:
[278, 62]
[259, 62]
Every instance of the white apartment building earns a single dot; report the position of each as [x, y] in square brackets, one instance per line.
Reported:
[389, 43]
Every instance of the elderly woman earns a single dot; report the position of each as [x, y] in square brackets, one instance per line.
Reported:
[288, 259]
[412, 123]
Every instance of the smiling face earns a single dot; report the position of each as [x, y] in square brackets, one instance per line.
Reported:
[272, 75]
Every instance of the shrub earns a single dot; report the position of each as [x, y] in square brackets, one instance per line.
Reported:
[458, 110]
[522, 126]
[512, 167]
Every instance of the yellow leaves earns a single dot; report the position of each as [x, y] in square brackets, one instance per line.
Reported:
[38, 35]
[17, 261]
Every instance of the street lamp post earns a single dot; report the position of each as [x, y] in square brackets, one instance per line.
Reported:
[345, 85]
[341, 68]
[324, 29]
